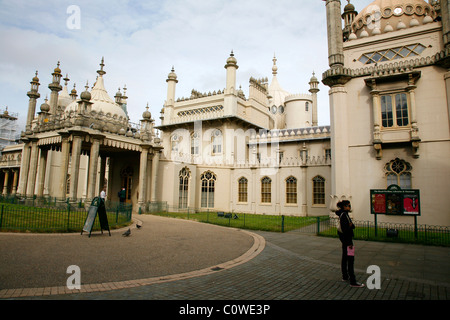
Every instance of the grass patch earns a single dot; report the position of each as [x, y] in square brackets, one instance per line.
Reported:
[274, 223]
[18, 218]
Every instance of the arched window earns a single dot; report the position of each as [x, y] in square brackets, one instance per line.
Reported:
[184, 176]
[307, 106]
[195, 143]
[266, 190]
[208, 180]
[291, 190]
[243, 190]
[398, 172]
[216, 139]
[318, 190]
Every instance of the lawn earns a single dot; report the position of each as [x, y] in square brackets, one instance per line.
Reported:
[19, 218]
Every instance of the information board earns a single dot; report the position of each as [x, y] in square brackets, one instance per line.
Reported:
[97, 207]
[395, 201]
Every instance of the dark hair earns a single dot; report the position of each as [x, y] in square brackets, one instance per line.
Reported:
[343, 203]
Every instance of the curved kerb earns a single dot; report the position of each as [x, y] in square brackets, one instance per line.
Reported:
[257, 248]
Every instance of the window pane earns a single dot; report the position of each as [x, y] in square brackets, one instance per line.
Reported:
[217, 142]
[204, 193]
[401, 106]
[392, 179]
[318, 190]
[376, 57]
[405, 181]
[242, 190]
[291, 190]
[386, 111]
[404, 52]
[211, 194]
[363, 59]
[266, 184]
[390, 54]
[419, 49]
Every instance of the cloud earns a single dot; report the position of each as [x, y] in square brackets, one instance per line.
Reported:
[142, 40]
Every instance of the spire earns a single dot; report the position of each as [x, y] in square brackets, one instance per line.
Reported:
[274, 68]
[101, 72]
[66, 80]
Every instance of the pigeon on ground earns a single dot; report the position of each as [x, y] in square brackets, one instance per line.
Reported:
[126, 233]
[138, 226]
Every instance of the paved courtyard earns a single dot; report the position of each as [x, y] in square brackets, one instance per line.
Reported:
[169, 259]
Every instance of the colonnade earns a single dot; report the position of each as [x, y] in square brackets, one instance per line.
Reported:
[73, 143]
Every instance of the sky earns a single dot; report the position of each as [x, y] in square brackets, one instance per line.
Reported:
[142, 40]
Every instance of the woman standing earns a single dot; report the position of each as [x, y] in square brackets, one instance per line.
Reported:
[345, 232]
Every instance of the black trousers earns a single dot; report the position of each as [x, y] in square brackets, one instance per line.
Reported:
[347, 265]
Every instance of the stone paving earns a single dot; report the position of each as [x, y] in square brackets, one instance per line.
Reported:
[259, 266]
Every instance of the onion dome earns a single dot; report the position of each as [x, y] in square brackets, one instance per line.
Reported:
[45, 107]
[146, 115]
[35, 78]
[349, 7]
[86, 95]
[101, 101]
[231, 61]
[172, 75]
[57, 69]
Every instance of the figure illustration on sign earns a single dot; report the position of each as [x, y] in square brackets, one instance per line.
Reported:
[411, 204]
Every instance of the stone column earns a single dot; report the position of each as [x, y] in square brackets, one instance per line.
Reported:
[24, 168]
[335, 34]
[143, 176]
[76, 153]
[31, 185]
[304, 190]
[340, 171]
[155, 164]
[42, 170]
[65, 149]
[101, 182]
[5, 183]
[93, 168]
[15, 180]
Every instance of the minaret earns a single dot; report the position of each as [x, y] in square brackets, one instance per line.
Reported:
[73, 93]
[34, 95]
[335, 35]
[231, 67]
[336, 78]
[55, 87]
[230, 101]
[170, 101]
[124, 99]
[118, 97]
[314, 88]
[349, 16]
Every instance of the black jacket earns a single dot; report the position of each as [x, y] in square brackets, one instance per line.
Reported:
[346, 236]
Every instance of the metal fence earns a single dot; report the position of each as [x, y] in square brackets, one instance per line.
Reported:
[393, 232]
[323, 225]
[41, 215]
